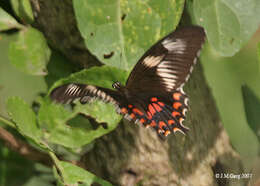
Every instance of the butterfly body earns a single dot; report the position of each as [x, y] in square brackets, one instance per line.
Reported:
[153, 94]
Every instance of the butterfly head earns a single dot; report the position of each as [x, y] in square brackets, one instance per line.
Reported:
[117, 85]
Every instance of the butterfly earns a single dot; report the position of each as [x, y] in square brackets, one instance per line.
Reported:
[153, 95]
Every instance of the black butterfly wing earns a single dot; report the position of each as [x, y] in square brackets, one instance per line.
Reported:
[166, 65]
[84, 93]
[155, 84]
[158, 113]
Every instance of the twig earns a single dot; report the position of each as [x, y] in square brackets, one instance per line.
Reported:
[29, 152]
[24, 149]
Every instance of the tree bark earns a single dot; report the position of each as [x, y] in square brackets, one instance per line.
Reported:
[133, 155]
[57, 22]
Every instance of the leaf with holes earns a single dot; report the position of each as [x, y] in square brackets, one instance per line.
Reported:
[119, 32]
[53, 117]
[24, 117]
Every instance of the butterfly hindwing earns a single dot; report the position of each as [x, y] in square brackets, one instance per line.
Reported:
[85, 93]
[69, 92]
[166, 113]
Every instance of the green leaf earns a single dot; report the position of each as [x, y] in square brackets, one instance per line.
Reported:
[53, 117]
[23, 10]
[229, 24]
[24, 117]
[73, 175]
[58, 67]
[30, 53]
[121, 31]
[57, 177]
[252, 109]
[7, 22]
[225, 77]
[4, 121]
[103, 76]
[12, 164]
[14, 82]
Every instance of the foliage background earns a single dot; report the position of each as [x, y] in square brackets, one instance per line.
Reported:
[29, 67]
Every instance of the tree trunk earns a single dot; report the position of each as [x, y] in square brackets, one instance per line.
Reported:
[133, 155]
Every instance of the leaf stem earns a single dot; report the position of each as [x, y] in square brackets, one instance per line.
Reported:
[6, 121]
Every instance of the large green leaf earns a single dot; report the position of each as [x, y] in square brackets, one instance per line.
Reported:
[30, 53]
[103, 76]
[24, 117]
[7, 22]
[229, 24]
[121, 31]
[252, 110]
[225, 77]
[13, 82]
[53, 116]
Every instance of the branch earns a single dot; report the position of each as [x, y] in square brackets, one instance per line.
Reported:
[57, 22]
[29, 152]
[24, 149]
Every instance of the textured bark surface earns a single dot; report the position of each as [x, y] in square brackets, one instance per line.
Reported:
[57, 22]
[133, 155]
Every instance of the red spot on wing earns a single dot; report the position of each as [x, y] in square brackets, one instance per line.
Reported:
[149, 115]
[154, 99]
[177, 105]
[171, 122]
[181, 120]
[130, 106]
[161, 124]
[123, 110]
[161, 103]
[151, 109]
[137, 111]
[142, 120]
[132, 115]
[175, 129]
[176, 96]
[167, 132]
[174, 114]
[153, 124]
[157, 107]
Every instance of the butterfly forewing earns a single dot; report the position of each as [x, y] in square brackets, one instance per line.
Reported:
[167, 65]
